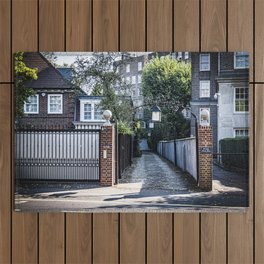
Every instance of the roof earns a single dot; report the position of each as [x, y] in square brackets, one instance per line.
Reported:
[48, 75]
[66, 72]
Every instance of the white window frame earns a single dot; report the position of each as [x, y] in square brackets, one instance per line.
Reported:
[128, 80]
[209, 61]
[200, 84]
[139, 79]
[234, 101]
[128, 68]
[134, 79]
[186, 55]
[141, 66]
[32, 113]
[237, 67]
[241, 129]
[93, 103]
[55, 113]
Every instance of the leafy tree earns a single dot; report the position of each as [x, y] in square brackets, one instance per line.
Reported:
[99, 76]
[23, 74]
[166, 82]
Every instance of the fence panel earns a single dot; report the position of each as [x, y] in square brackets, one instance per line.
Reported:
[57, 155]
[124, 152]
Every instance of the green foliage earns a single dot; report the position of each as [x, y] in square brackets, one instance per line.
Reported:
[124, 128]
[166, 82]
[235, 145]
[23, 74]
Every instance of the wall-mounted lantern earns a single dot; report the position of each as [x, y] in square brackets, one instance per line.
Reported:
[156, 114]
[205, 117]
[151, 125]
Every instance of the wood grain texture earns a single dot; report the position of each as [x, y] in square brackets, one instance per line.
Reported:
[186, 238]
[51, 238]
[186, 30]
[159, 238]
[159, 25]
[51, 25]
[78, 238]
[25, 238]
[132, 25]
[5, 44]
[259, 169]
[132, 238]
[105, 21]
[240, 28]
[259, 40]
[213, 25]
[105, 238]
[213, 238]
[78, 25]
[240, 226]
[5, 172]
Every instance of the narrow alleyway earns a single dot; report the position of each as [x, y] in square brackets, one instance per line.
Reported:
[157, 174]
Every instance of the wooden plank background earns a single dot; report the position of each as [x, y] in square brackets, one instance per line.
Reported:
[132, 25]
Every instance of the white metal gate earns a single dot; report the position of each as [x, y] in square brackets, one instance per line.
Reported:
[57, 155]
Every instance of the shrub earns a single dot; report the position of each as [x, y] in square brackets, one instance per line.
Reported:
[238, 145]
[124, 128]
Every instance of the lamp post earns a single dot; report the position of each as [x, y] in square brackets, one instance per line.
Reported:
[156, 113]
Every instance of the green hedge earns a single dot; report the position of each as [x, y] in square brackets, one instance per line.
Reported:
[238, 145]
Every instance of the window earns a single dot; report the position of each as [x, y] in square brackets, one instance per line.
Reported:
[241, 99]
[128, 68]
[204, 89]
[186, 55]
[55, 104]
[98, 113]
[241, 132]
[128, 80]
[139, 78]
[140, 66]
[32, 105]
[133, 92]
[91, 111]
[204, 62]
[241, 60]
[133, 79]
[87, 111]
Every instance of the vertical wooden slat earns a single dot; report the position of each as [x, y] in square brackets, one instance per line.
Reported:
[78, 25]
[5, 45]
[51, 25]
[24, 38]
[132, 232]
[213, 238]
[51, 38]
[159, 25]
[186, 25]
[132, 38]
[105, 38]
[51, 238]
[105, 25]
[78, 238]
[259, 169]
[5, 172]
[132, 25]
[213, 38]
[186, 238]
[240, 226]
[186, 38]
[78, 38]
[213, 25]
[159, 238]
[105, 238]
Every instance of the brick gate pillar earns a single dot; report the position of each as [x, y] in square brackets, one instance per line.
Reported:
[205, 143]
[107, 155]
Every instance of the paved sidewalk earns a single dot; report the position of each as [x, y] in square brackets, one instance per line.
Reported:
[151, 183]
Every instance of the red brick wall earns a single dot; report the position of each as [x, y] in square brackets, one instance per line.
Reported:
[205, 142]
[107, 165]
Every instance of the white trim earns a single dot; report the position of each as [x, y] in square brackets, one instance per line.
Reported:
[55, 113]
[234, 101]
[209, 62]
[236, 67]
[204, 81]
[32, 113]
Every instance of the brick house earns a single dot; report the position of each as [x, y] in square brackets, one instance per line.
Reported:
[220, 86]
[53, 105]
